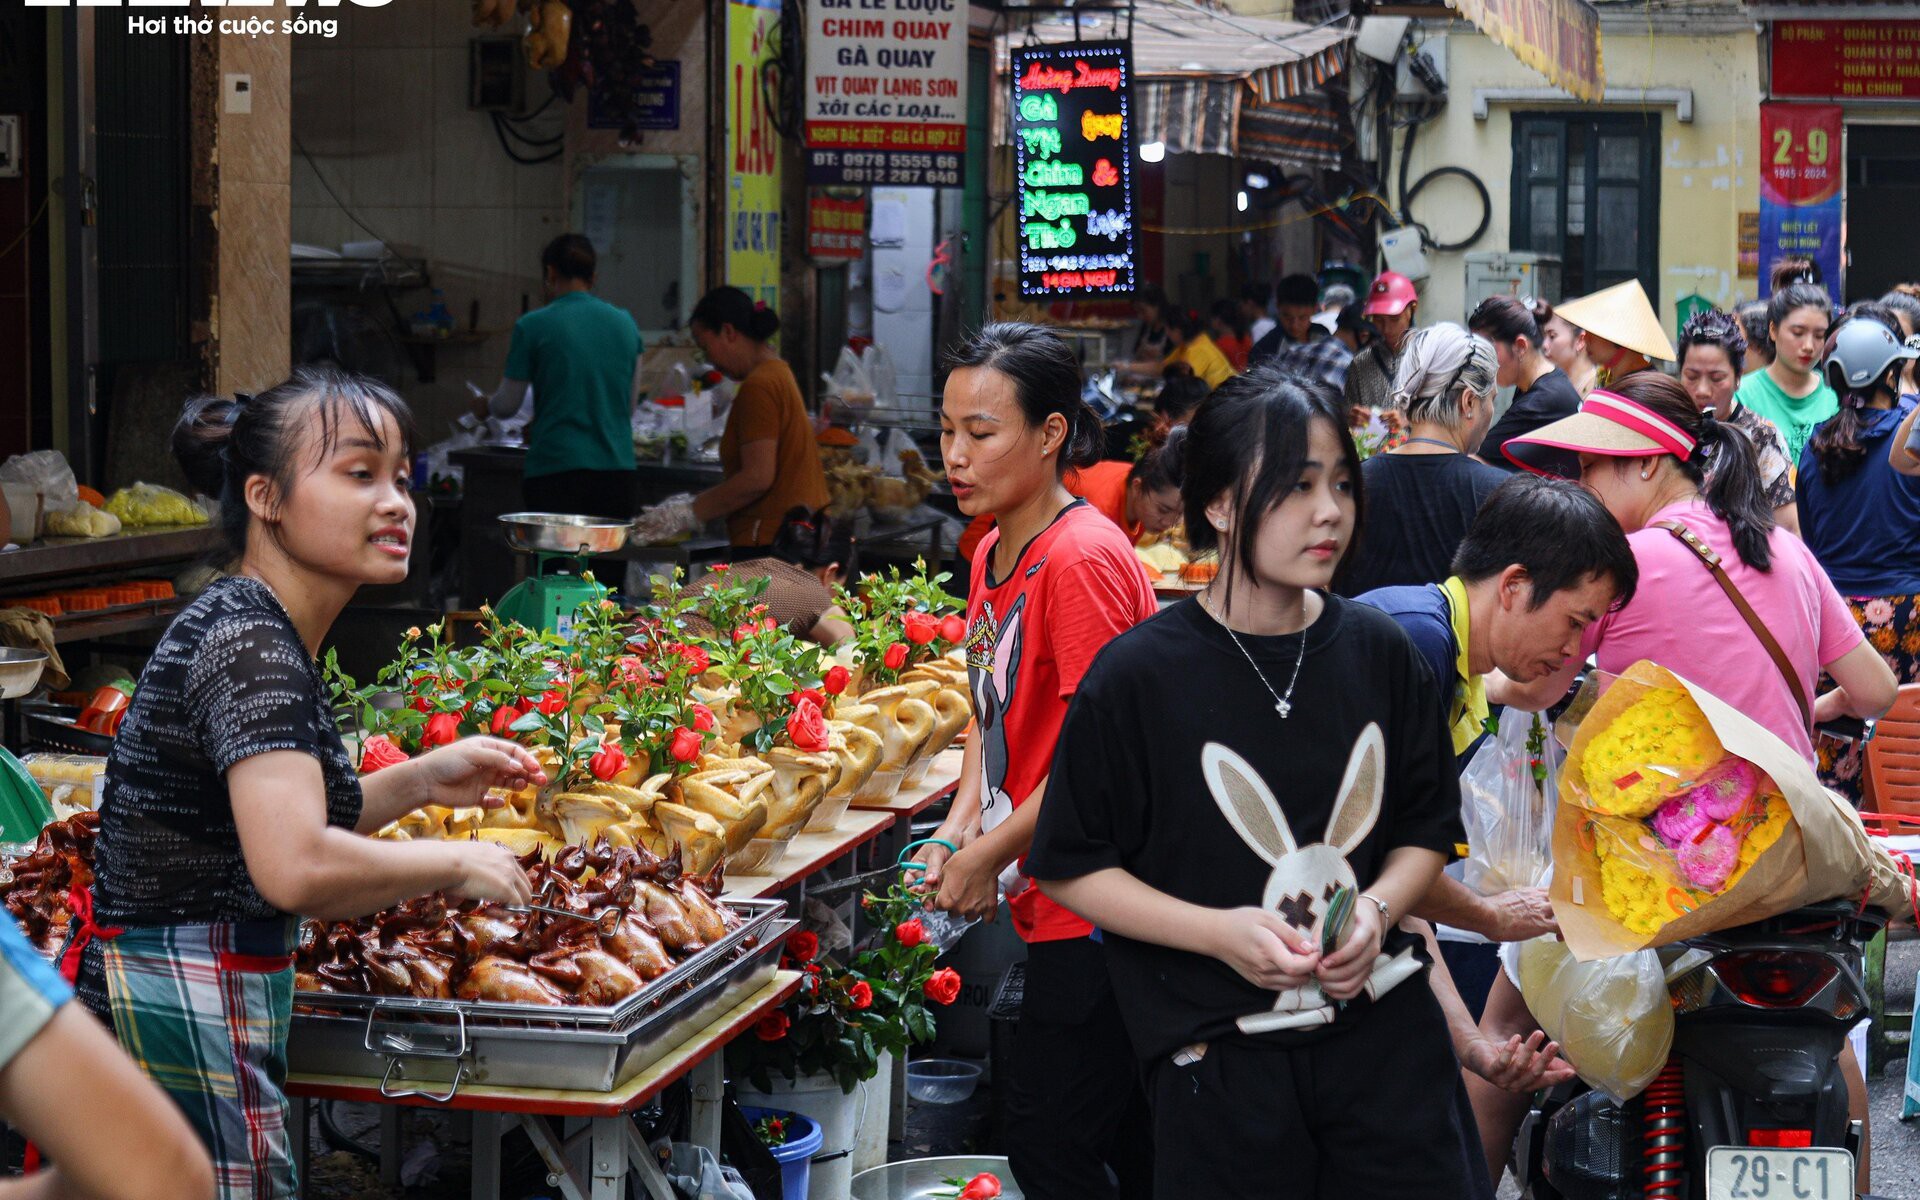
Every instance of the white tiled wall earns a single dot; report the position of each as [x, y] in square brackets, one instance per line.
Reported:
[383, 113]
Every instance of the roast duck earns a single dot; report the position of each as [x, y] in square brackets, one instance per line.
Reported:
[632, 917]
[35, 887]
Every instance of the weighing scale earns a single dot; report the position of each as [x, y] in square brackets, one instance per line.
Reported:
[561, 546]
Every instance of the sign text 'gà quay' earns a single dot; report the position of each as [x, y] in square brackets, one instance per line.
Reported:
[886, 92]
[1073, 154]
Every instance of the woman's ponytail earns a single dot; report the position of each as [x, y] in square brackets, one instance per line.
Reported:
[1734, 489]
[1836, 444]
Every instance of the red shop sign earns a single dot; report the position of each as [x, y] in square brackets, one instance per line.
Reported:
[836, 229]
[1846, 60]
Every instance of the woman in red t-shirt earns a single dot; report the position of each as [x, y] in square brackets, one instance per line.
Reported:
[1051, 585]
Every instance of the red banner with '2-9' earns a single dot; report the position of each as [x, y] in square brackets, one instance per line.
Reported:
[1801, 171]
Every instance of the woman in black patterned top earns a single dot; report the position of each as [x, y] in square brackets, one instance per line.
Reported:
[231, 804]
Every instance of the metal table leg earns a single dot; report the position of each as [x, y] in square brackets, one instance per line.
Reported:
[390, 1145]
[297, 1138]
[709, 1084]
[485, 1149]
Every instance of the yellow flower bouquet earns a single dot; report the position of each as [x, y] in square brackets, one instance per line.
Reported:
[1680, 816]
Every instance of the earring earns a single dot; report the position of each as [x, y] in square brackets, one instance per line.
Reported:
[1220, 525]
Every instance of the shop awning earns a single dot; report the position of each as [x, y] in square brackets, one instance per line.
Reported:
[1558, 38]
[1306, 132]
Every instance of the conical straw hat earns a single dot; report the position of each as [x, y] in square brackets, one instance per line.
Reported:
[1623, 315]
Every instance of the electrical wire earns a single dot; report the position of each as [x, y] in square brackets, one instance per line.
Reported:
[500, 132]
[506, 123]
[317, 174]
[11, 246]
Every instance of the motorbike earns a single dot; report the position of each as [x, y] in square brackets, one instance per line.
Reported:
[1752, 1104]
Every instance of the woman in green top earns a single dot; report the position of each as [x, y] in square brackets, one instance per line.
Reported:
[1790, 392]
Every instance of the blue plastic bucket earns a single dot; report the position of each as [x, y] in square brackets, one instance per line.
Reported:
[795, 1155]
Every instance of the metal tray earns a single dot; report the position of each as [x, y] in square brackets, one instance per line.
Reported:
[430, 1047]
[561, 533]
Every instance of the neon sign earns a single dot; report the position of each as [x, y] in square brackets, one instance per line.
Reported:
[1073, 146]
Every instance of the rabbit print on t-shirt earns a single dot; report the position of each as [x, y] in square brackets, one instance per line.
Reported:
[1305, 878]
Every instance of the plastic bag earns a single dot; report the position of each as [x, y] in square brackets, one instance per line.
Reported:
[82, 520]
[1612, 1017]
[46, 472]
[151, 504]
[1507, 802]
[696, 1174]
[862, 379]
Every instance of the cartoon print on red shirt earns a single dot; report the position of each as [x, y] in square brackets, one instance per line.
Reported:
[993, 657]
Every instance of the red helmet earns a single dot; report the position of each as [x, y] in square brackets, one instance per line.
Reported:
[1390, 294]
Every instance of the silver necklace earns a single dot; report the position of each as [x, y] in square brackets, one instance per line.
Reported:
[1281, 704]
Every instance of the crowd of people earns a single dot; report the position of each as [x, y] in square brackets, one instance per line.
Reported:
[1141, 778]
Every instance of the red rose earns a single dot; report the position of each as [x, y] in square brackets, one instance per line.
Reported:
[443, 729]
[772, 1027]
[921, 627]
[812, 694]
[860, 995]
[895, 657]
[911, 933]
[607, 762]
[803, 945]
[953, 628]
[553, 702]
[984, 1186]
[943, 986]
[378, 752]
[837, 679]
[632, 671]
[769, 624]
[696, 658]
[686, 745]
[503, 718]
[806, 728]
[742, 632]
[703, 718]
[424, 687]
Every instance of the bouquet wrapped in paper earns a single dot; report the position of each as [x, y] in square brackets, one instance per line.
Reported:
[1680, 815]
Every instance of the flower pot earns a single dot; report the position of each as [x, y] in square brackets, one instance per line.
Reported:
[839, 1115]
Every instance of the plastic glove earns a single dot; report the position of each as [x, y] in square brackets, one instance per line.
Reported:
[667, 521]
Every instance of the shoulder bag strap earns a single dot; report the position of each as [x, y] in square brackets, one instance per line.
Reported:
[1707, 555]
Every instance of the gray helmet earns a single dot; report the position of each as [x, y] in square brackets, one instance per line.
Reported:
[1860, 354]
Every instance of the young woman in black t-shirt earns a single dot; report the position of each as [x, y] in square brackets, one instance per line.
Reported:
[230, 801]
[1225, 768]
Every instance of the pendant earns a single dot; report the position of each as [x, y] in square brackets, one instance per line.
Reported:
[1283, 708]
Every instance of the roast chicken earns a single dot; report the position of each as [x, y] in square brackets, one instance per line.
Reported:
[635, 915]
[35, 887]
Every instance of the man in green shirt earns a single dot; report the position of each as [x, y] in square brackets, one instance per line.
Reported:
[581, 355]
[1789, 391]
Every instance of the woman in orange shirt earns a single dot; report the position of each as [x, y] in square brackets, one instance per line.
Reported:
[1140, 498]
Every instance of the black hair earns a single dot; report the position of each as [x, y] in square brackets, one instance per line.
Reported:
[1160, 467]
[1179, 396]
[813, 539]
[1228, 312]
[1046, 380]
[1556, 530]
[730, 306]
[1836, 443]
[1711, 327]
[1735, 492]
[1873, 310]
[1249, 440]
[1505, 319]
[221, 443]
[1753, 322]
[1185, 322]
[1299, 289]
[1542, 310]
[1793, 297]
[571, 257]
[1792, 270]
[1256, 293]
[1908, 306]
[1150, 294]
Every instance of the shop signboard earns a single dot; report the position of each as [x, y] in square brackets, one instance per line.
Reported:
[886, 92]
[651, 101]
[1558, 38]
[1800, 194]
[753, 152]
[1845, 60]
[1073, 160]
[836, 228]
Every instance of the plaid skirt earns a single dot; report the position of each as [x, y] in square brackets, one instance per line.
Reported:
[204, 1010]
[1892, 626]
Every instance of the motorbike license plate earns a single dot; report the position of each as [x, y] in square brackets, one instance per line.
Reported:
[1762, 1173]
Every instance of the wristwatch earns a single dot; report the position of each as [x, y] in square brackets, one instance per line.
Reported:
[1386, 914]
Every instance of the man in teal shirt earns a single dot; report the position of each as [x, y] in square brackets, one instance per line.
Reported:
[581, 355]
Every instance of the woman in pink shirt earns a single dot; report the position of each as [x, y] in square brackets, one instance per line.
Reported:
[1643, 448]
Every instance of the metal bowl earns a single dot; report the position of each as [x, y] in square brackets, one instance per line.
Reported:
[922, 1178]
[557, 533]
[20, 671]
